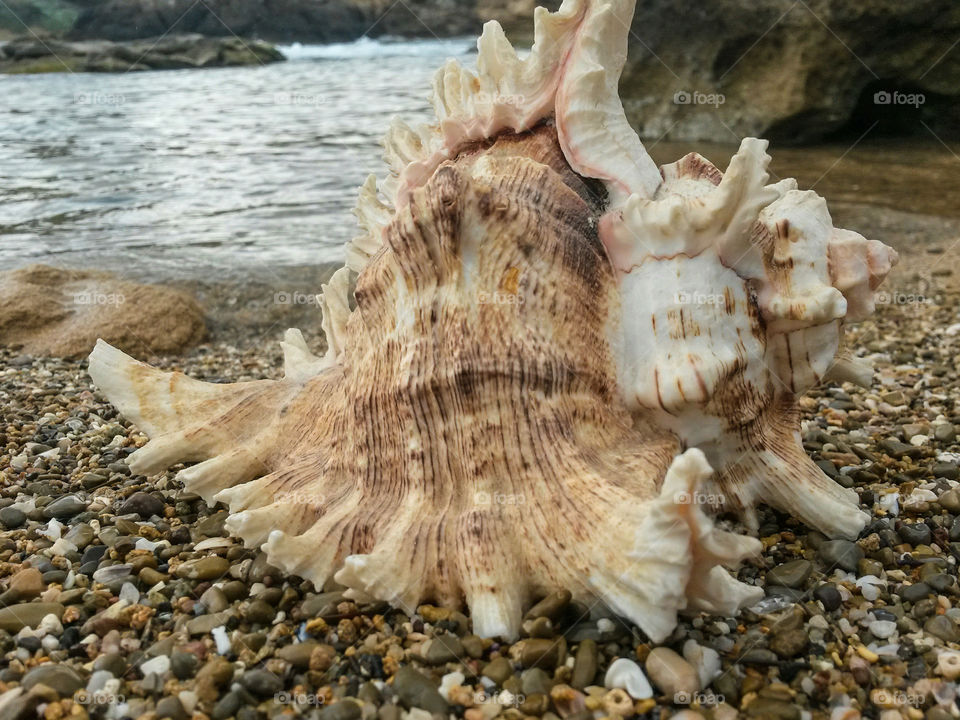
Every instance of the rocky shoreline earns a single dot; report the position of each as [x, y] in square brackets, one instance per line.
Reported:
[29, 54]
[123, 596]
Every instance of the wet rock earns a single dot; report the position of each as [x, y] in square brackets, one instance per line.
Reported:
[261, 683]
[793, 574]
[789, 644]
[64, 507]
[942, 627]
[206, 568]
[16, 617]
[12, 518]
[840, 553]
[416, 690]
[62, 678]
[143, 504]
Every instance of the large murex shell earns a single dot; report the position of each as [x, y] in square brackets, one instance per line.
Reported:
[544, 319]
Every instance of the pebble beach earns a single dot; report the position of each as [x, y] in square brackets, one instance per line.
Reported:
[122, 596]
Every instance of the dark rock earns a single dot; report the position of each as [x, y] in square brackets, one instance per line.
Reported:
[416, 690]
[12, 518]
[261, 683]
[829, 596]
[143, 504]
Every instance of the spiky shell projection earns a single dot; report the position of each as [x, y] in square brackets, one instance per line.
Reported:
[556, 349]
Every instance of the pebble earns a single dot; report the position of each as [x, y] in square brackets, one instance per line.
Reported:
[625, 674]
[793, 574]
[829, 596]
[498, 670]
[915, 592]
[416, 690]
[206, 568]
[840, 553]
[24, 585]
[950, 500]
[143, 504]
[62, 678]
[882, 629]
[790, 643]
[12, 517]
[16, 617]
[671, 673]
[159, 665]
[584, 664]
[171, 707]
[261, 683]
[948, 664]
[915, 534]
[64, 507]
[942, 627]
[342, 710]
[298, 654]
[552, 606]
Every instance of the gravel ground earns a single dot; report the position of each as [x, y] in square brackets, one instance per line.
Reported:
[122, 597]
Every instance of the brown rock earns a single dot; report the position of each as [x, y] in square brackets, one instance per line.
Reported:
[61, 313]
[25, 585]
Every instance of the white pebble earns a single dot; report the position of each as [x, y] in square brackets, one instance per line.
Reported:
[129, 593]
[223, 641]
[159, 665]
[98, 680]
[144, 544]
[882, 628]
[627, 675]
[49, 625]
[948, 664]
[50, 642]
[606, 625]
[449, 681]
[705, 660]
[188, 698]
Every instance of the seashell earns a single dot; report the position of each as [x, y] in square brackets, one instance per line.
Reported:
[554, 346]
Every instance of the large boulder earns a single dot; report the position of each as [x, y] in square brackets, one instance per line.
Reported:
[52, 312]
[29, 54]
[315, 21]
[793, 71]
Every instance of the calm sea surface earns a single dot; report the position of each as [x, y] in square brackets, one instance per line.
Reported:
[225, 172]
